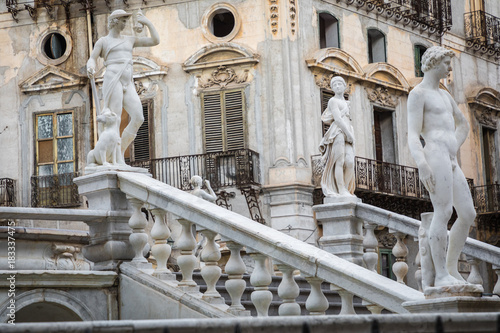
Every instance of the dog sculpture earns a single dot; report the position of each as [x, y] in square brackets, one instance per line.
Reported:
[107, 147]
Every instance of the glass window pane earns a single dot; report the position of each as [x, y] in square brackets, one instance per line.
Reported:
[65, 168]
[65, 149]
[65, 124]
[45, 170]
[44, 127]
[45, 151]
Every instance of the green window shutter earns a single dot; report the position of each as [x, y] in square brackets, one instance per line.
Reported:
[223, 118]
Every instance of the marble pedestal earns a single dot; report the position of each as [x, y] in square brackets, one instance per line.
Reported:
[109, 237]
[454, 304]
[342, 230]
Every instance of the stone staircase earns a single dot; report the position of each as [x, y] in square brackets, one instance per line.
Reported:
[305, 289]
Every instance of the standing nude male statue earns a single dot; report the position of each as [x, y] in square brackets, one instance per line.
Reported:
[118, 86]
[434, 115]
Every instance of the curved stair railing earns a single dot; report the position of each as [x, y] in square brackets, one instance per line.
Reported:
[237, 231]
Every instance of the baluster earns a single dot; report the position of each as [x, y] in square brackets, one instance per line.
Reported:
[474, 275]
[370, 244]
[370, 257]
[400, 251]
[235, 285]
[138, 238]
[496, 289]
[161, 250]
[316, 303]
[346, 299]
[186, 260]
[211, 272]
[260, 279]
[288, 290]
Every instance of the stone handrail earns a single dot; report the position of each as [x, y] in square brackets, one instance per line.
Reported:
[409, 226]
[308, 259]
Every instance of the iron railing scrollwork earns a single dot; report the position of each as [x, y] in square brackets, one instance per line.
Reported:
[7, 192]
[55, 191]
[482, 32]
[433, 16]
[223, 169]
[487, 198]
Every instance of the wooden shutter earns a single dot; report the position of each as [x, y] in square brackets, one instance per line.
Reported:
[142, 143]
[379, 156]
[223, 121]
[235, 135]
[325, 97]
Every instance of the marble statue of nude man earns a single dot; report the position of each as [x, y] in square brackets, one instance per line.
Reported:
[434, 115]
[118, 86]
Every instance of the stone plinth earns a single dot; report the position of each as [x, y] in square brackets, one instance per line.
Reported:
[342, 230]
[455, 304]
[109, 236]
[291, 210]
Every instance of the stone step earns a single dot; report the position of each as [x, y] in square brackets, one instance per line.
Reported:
[332, 296]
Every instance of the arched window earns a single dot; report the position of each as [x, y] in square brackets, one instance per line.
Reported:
[376, 46]
[328, 31]
[419, 52]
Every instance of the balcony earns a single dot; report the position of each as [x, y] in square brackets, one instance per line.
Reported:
[55, 191]
[239, 168]
[7, 192]
[482, 32]
[431, 16]
[487, 203]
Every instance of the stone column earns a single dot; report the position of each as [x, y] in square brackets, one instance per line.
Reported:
[109, 237]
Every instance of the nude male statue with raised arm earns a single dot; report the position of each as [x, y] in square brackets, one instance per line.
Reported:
[118, 86]
[434, 115]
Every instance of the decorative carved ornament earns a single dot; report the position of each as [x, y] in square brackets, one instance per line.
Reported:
[486, 117]
[381, 95]
[223, 76]
[52, 78]
[323, 81]
[386, 240]
[293, 17]
[486, 107]
[274, 9]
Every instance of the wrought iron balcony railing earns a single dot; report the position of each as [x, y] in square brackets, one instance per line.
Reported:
[433, 16]
[482, 32]
[55, 191]
[7, 192]
[487, 199]
[238, 168]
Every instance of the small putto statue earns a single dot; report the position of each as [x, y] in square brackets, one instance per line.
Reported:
[196, 182]
[337, 145]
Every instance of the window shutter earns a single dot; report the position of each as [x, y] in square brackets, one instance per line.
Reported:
[212, 110]
[235, 136]
[325, 97]
[141, 141]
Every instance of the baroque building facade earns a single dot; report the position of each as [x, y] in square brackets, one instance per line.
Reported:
[234, 93]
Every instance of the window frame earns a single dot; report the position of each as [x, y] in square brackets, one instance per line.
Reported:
[418, 63]
[54, 138]
[319, 30]
[370, 49]
[223, 112]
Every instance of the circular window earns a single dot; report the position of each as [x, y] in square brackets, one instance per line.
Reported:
[54, 46]
[221, 23]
